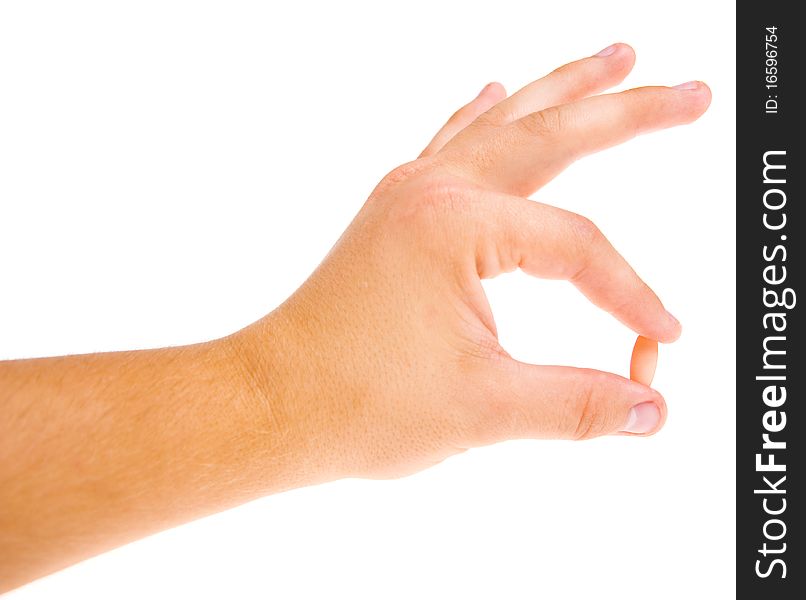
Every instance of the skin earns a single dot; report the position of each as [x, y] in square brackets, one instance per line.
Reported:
[384, 362]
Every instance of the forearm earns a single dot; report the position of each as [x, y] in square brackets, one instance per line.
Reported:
[102, 449]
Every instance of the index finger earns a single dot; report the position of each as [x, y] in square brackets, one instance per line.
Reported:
[552, 243]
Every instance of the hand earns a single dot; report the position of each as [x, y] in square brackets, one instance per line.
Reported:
[384, 362]
[387, 359]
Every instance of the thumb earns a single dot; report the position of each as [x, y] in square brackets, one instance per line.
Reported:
[549, 402]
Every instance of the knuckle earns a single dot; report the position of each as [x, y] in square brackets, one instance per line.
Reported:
[431, 201]
[403, 173]
[586, 232]
[591, 415]
[566, 75]
[544, 123]
[443, 190]
[586, 238]
[458, 116]
[443, 197]
[496, 116]
[583, 76]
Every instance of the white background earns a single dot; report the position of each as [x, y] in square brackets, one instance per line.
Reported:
[171, 171]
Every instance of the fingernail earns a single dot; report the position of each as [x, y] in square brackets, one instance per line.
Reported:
[607, 51]
[485, 88]
[643, 418]
[672, 318]
[689, 85]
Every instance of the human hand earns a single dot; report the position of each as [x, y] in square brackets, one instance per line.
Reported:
[387, 359]
[384, 362]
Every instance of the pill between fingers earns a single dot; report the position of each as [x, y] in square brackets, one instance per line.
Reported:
[644, 360]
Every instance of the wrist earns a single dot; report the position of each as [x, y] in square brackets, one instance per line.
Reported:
[278, 381]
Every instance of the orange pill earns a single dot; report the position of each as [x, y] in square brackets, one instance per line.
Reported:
[644, 360]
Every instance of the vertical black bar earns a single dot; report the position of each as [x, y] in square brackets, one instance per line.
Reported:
[770, 225]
